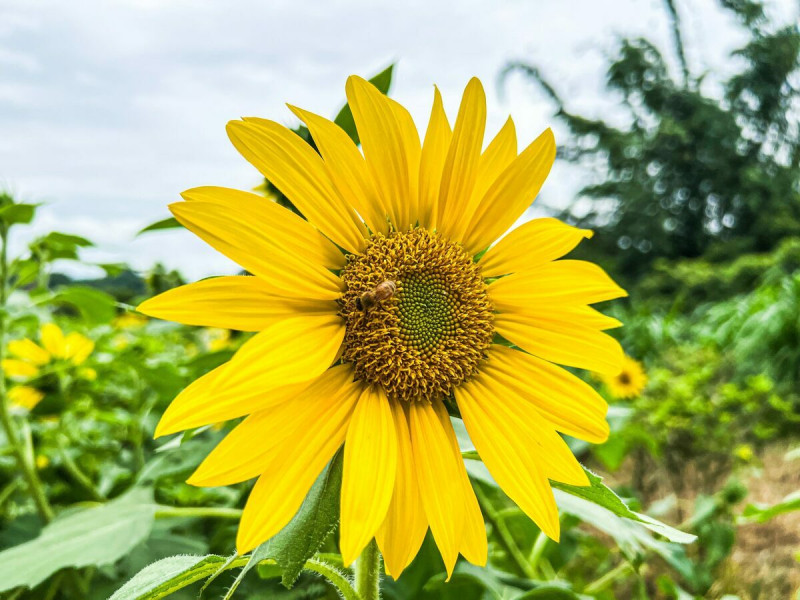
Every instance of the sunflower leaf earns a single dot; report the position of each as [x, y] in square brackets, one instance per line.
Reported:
[16, 214]
[90, 537]
[168, 575]
[303, 536]
[598, 493]
[168, 223]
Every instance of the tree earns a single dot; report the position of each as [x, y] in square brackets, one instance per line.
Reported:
[692, 174]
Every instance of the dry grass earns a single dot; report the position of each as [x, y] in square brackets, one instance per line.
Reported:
[763, 564]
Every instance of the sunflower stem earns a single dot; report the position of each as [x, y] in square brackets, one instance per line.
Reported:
[368, 572]
[26, 467]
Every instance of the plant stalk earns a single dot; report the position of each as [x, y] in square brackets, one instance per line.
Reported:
[27, 469]
[368, 572]
[504, 536]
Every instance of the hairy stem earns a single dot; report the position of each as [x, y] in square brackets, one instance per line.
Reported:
[368, 572]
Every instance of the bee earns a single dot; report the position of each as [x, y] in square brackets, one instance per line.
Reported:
[382, 291]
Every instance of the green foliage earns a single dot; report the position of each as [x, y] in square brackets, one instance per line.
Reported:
[168, 575]
[689, 283]
[691, 410]
[759, 513]
[91, 537]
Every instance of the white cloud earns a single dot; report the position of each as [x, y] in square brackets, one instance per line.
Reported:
[110, 108]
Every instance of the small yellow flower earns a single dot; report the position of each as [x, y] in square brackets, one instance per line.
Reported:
[744, 452]
[129, 320]
[385, 302]
[217, 339]
[87, 373]
[628, 383]
[29, 356]
[24, 397]
[42, 462]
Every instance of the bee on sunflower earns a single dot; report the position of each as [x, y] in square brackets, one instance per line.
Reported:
[382, 307]
[629, 382]
[30, 360]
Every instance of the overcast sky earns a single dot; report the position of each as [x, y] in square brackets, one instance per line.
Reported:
[110, 108]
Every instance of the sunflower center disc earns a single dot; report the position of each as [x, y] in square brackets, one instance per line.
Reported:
[429, 335]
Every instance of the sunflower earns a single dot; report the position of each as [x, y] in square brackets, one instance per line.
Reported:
[381, 312]
[629, 382]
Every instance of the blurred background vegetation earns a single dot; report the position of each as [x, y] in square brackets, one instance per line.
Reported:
[695, 202]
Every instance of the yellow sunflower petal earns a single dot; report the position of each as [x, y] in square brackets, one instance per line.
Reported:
[403, 531]
[289, 351]
[246, 451]
[279, 226]
[370, 462]
[434, 153]
[461, 165]
[554, 456]
[570, 404]
[494, 160]
[512, 457]
[440, 483]
[530, 245]
[280, 490]
[413, 149]
[578, 314]
[19, 368]
[197, 405]
[384, 140]
[512, 193]
[561, 342]
[53, 339]
[474, 545]
[236, 236]
[29, 351]
[346, 167]
[77, 347]
[561, 282]
[233, 302]
[297, 170]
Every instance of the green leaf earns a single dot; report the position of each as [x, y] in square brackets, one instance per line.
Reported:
[168, 575]
[318, 516]
[95, 306]
[596, 494]
[168, 223]
[550, 592]
[600, 494]
[57, 239]
[17, 214]
[344, 119]
[90, 537]
[760, 513]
